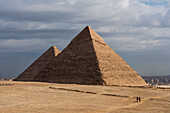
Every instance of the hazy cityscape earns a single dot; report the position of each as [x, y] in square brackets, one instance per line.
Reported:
[157, 80]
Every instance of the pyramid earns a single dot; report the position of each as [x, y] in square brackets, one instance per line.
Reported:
[30, 73]
[89, 60]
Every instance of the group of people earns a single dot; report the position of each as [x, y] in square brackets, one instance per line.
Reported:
[138, 99]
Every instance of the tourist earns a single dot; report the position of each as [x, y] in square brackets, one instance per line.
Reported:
[137, 99]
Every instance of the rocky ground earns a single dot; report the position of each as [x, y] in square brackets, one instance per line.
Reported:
[30, 97]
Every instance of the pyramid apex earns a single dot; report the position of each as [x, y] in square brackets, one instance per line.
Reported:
[53, 47]
[88, 34]
[88, 26]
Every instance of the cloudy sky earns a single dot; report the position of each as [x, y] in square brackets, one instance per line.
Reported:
[138, 30]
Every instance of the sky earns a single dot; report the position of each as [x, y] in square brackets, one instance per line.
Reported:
[138, 30]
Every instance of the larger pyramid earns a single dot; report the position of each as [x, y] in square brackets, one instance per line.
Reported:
[89, 60]
[30, 73]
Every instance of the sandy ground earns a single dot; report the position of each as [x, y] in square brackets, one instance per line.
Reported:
[31, 97]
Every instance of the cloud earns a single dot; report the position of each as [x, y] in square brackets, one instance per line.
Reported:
[38, 19]
[128, 26]
[124, 3]
[12, 45]
[79, 12]
[155, 2]
[166, 20]
[133, 44]
[29, 45]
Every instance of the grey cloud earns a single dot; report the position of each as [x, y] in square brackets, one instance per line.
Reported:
[131, 28]
[162, 38]
[166, 20]
[30, 45]
[46, 16]
[86, 12]
[42, 34]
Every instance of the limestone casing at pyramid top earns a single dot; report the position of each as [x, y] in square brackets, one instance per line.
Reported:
[56, 50]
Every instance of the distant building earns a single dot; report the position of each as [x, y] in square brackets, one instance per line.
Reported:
[157, 80]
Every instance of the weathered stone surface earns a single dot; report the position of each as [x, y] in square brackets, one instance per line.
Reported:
[38, 65]
[89, 60]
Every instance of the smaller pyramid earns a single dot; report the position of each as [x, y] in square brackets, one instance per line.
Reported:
[34, 69]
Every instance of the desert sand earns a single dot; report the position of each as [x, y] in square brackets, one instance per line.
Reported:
[37, 97]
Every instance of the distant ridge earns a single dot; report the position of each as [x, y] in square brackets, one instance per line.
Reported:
[38, 65]
[89, 60]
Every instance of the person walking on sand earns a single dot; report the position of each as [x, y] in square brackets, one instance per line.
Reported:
[137, 99]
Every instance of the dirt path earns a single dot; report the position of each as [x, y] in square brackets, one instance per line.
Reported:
[112, 109]
[132, 98]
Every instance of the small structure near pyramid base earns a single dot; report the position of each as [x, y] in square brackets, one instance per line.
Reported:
[30, 73]
[89, 60]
